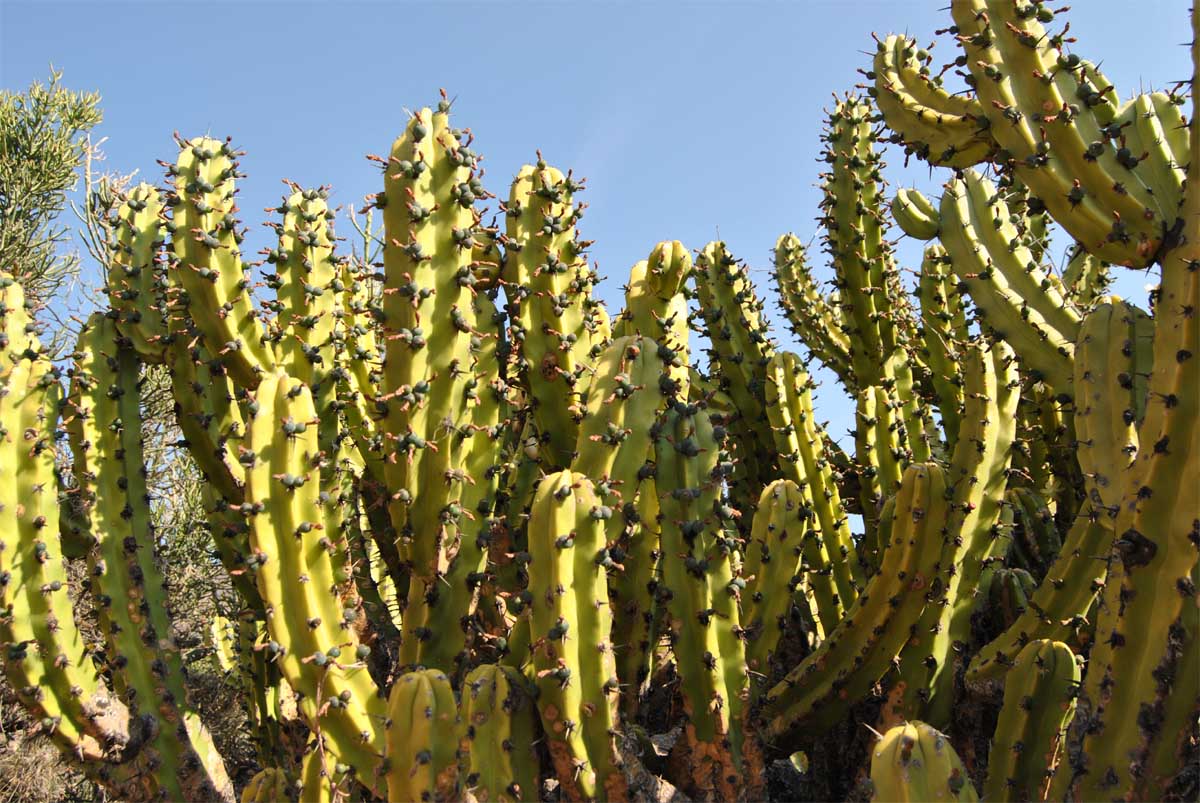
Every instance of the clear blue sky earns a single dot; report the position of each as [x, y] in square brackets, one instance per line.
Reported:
[689, 120]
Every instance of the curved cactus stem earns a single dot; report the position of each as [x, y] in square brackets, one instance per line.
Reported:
[105, 427]
[915, 214]
[814, 318]
[311, 635]
[861, 648]
[1007, 285]
[943, 335]
[1056, 116]
[978, 474]
[944, 129]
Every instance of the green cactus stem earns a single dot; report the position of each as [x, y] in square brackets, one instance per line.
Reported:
[558, 328]
[864, 644]
[105, 427]
[716, 755]
[570, 628]
[422, 742]
[312, 639]
[498, 718]
[944, 129]
[1039, 702]
[914, 762]
[208, 266]
[134, 285]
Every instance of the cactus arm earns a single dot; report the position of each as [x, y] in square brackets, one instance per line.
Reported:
[570, 626]
[134, 273]
[316, 650]
[45, 660]
[208, 264]
[1039, 702]
[448, 606]
[944, 129]
[978, 474]
[944, 332]
[549, 285]
[126, 586]
[698, 589]
[861, 648]
[979, 252]
[1156, 524]
[207, 412]
[422, 739]
[771, 570]
[914, 762]
[915, 214]
[1085, 277]
[827, 546]
[1112, 366]
[1025, 84]
[497, 718]
[813, 318]
[741, 346]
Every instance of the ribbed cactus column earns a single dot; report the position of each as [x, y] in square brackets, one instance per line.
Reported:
[834, 572]
[105, 427]
[498, 716]
[557, 326]
[719, 757]
[570, 628]
[633, 382]
[740, 348]
[773, 571]
[864, 645]
[45, 660]
[977, 476]
[208, 266]
[135, 288]
[311, 636]
[431, 373]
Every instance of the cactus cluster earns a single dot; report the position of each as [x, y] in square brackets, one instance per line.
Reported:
[489, 542]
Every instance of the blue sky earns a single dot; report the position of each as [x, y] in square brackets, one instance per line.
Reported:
[689, 120]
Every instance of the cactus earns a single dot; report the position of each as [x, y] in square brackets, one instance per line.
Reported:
[498, 719]
[422, 738]
[700, 594]
[453, 497]
[870, 636]
[1039, 702]
[570, 629]
[207, 264]
[915, 762]
[135, 273]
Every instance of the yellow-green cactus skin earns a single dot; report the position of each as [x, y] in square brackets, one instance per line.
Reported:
[915, 762]
[485, 543]
[497, 718]
[422, 739]
[1039, 702]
